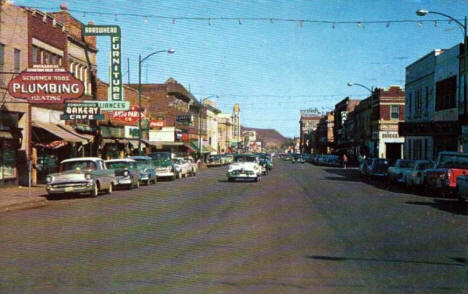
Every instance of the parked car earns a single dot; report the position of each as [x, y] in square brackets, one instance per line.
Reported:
[81, 175]
[147, 169]
[164, 165]
[126, 172]
[214, 160]
[244, 167]
[298, 159]
[182, 167]
[462, 187]
[396, 172]
[447, 168]
[414, 177]
[374, 168]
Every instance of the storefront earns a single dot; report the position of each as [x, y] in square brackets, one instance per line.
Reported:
[10, 138]
[52, 143]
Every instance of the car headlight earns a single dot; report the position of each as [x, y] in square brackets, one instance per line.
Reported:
[125, 173]
[49, 179]
[88, 176]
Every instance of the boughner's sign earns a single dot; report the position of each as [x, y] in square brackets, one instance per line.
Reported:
[131, 115]
[82, 111]
[115, 79]
[45, 85]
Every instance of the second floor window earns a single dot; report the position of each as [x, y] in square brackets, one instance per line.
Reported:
[446, 93]
[17, 54]
[2, 48]
[395, 112]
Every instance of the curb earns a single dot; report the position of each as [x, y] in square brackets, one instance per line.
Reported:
[35, 202]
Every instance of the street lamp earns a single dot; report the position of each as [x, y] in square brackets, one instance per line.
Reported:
[423, 12]
[370, 106]
[140, 61]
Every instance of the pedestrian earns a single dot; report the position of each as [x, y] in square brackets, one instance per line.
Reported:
[345, 160]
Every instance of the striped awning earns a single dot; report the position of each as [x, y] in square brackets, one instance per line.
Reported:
[60, 132]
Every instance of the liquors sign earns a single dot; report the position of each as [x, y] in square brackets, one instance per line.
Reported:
[45, 85]
[82, 111]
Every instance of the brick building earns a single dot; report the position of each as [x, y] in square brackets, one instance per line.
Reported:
[341, 111]
[324, 142]
[307, 126]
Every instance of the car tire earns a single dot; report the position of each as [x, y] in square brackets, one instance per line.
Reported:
[95, 192]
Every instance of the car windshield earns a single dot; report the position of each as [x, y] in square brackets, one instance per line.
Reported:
[453, 161]
[78, 165]
[119, 164]
[406, 163]
[245, 158]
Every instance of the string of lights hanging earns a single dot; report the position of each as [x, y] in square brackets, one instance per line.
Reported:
[242, 20]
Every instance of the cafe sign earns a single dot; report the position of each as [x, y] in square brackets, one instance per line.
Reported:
[82, 111]
[45, 85]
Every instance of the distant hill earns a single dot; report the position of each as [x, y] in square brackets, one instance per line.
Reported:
[270, 137]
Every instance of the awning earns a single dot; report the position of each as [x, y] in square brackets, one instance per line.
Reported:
[70, 129]
[6, 135]
[60, 132]
[189, 148]
[205, 148]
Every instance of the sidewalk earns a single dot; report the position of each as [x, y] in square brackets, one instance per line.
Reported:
[15, 198]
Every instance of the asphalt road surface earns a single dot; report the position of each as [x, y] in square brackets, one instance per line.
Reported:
[301, 229]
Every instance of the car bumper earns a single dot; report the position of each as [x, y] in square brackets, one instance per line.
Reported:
[164, 174]
[81, 187]
[123, 181]
[145, 177]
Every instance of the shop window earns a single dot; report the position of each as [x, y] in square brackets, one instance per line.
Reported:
[395, 112]
[46, 57]
[34, 55]
[17, 54]
[53, 59]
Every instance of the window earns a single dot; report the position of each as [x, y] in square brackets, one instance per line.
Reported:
[446, 93]
[53, 59]
[34, 55]
[410, 100]
[395, 112]
[17, 60]
[46, 57]
[426, 104]
[2, 48]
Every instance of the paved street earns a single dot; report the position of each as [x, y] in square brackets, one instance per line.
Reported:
[302, 229]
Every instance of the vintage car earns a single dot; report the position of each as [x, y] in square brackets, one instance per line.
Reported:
[81, 175]
[414, 177]
[266, 164]
[374, 168]
[164, 165]
[147, 169]
[443, 177]
[126, 172]
[182, 167]
[214, 160]
[462, 187]
[244, 167]
[396, 172]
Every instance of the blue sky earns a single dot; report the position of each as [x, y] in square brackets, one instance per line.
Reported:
[272, 69]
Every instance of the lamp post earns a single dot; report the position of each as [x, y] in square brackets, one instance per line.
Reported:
[423, 12]
[140, 61]
[371, 90]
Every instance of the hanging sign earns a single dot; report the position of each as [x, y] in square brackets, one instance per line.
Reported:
[82, 111]
[131, 115]
[115, 79]
[45, 85]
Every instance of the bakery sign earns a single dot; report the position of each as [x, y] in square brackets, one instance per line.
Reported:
[45, 85]
[131, 115]
[82, 111]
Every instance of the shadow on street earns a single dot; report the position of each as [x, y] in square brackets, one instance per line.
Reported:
[344, 258]
[449, 205]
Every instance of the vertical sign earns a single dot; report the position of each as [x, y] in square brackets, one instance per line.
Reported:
[115, 79]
